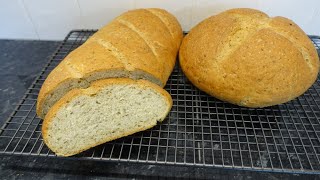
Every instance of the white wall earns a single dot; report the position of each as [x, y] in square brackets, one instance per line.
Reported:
[53, 19]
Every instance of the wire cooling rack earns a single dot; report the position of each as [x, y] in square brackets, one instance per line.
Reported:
[199, 131]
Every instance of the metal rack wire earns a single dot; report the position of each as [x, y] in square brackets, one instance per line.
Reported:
[199, 131]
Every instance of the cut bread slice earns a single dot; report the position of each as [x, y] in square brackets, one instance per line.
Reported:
[107, 110]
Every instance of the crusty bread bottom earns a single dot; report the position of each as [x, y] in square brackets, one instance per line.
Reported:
[65, 87]
[107, 110]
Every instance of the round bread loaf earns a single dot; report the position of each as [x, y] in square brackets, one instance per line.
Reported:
[244, 57]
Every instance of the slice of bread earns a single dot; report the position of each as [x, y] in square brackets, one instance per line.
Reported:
[107, 110]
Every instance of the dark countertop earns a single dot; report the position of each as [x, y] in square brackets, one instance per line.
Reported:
[21, 62]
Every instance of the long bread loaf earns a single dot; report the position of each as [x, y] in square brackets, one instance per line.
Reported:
[139, 44]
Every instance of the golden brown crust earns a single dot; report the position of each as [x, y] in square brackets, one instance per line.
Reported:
[287, 28]
[246, 12]
[91, 91]
[145, 40]
[170, 22]
[256, 61]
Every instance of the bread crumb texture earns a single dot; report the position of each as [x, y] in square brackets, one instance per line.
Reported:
[108, 110]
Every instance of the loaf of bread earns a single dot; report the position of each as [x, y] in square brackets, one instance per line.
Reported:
[139, 44]
[107, 110]
[247, 58]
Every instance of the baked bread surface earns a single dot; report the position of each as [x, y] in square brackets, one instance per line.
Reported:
[139, 44]
[247, 58]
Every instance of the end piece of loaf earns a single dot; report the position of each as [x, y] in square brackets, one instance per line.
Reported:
[107, 110]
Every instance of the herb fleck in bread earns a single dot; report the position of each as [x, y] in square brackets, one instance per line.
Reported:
[107, 110]
[247, 58]
[139, 44]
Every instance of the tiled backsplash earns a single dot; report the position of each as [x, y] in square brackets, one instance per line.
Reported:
[53, 19]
